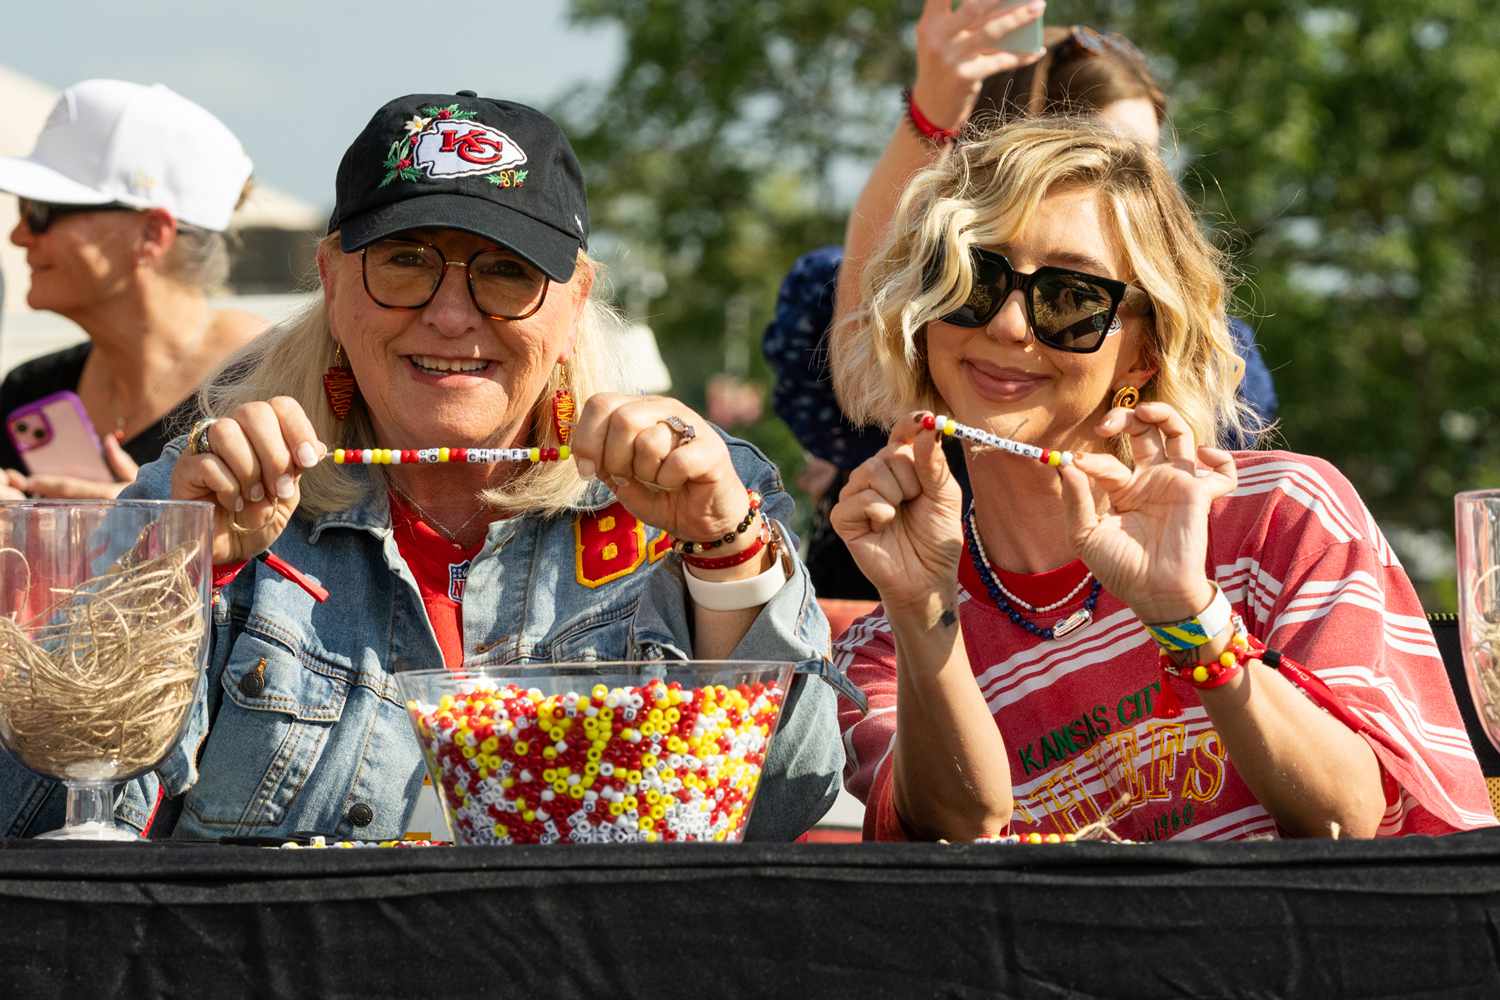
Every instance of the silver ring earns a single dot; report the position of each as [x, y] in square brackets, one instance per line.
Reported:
[683, 431]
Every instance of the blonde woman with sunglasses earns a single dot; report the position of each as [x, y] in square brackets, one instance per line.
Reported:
[1148, 633]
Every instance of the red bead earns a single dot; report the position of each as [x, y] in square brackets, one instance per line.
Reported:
[458, 454]
[929, 422]
[408, 455]
[1045, 456]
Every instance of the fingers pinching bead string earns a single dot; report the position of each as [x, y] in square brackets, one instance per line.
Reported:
[437, 456]
[952, 428]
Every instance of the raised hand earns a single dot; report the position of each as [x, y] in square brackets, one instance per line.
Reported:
[664, 462]
[249, 464]
[900, 514]
[956, 53]
[1150, 546]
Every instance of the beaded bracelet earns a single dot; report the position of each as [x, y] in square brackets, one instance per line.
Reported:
[1242, 648]
[433, 456]
[684, 548]
[724, 562]
[952, 428]
[926, 127]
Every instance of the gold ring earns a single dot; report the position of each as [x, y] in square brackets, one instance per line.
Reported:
[239, 529]
[197, 442]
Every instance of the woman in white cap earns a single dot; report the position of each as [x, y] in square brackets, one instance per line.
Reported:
[124, 203]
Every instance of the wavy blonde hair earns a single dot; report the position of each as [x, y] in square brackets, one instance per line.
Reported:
[984, 192]
[290, 359]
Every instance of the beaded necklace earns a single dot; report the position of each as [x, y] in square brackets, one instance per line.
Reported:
[1077, 620]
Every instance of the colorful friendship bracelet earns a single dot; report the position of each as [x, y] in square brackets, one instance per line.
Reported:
[434, 456]
[952, 428]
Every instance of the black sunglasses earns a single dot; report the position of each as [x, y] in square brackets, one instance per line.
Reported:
[40, 215]
[1068, 310]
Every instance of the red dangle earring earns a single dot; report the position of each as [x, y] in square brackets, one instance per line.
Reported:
[564, 407]
[338, 384]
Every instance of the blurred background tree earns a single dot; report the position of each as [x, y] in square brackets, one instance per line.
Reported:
[1348, 153]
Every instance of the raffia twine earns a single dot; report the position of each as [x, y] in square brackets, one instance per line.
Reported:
[96, 686]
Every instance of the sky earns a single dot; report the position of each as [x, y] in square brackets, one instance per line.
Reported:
[297, 79]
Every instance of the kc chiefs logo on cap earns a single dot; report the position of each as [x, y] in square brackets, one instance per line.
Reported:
[451, 148]
[444, 142]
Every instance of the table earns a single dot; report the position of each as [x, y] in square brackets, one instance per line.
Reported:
[1419, 917]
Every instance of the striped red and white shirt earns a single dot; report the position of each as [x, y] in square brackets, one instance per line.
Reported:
[1302, 561]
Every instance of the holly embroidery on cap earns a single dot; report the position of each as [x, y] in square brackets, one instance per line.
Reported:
[399, 164]
[507, 178]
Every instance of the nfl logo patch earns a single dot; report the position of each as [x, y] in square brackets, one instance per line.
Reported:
[457, 574]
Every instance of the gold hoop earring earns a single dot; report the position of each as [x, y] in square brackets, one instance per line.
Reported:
[1126, 396]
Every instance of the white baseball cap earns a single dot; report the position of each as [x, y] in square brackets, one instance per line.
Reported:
[109, 141]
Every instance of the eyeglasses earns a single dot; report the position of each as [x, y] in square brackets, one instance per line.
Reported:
[1068, 310]
[40, 215]
[405, 274]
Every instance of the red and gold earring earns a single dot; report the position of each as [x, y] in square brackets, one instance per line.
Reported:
[1126, 396]
[564, 407]
[339, 385]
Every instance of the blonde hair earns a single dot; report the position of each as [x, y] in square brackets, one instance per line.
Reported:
[290, 359]
[983, 193]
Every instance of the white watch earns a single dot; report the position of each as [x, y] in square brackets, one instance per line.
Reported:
[738, 595]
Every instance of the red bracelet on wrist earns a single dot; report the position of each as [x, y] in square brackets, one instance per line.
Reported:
[724, 562]
[925, 126]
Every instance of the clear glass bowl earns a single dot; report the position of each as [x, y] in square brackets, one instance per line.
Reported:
[104, 616]
[1477, 534]
[574, 753]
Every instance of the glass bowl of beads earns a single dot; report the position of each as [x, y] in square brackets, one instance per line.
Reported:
[591, 753]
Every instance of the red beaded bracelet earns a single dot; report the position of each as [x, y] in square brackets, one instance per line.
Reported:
[925, 126]
[724, 562]
[1242, 648]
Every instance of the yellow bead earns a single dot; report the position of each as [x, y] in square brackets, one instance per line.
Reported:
[575, 791]
[1200, 674]
[549, 753]
[338, 456]
[1033, 838]
[564, 452]
[442, 454]
[1226, 658]
[950, 428]
[1054, 458]
[599, 692]
[528, 815]
[1053, 838]
[536, 454]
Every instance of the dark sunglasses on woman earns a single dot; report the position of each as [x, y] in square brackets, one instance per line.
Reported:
[40, 215]
[1068, 310]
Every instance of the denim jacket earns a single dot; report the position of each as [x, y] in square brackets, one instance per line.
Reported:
[300, 726]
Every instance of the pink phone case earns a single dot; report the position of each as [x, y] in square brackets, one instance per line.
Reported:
[55, 438]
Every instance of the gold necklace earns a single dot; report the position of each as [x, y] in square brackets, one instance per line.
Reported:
[452, 536]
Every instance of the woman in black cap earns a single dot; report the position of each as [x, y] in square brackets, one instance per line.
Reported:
[403, 370]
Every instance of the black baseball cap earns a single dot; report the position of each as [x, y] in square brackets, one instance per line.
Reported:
[495, 168]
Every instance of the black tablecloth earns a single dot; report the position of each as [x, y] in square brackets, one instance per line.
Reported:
[1419, 917]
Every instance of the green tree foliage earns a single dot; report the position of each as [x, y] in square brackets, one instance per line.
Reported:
[1348, 153]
